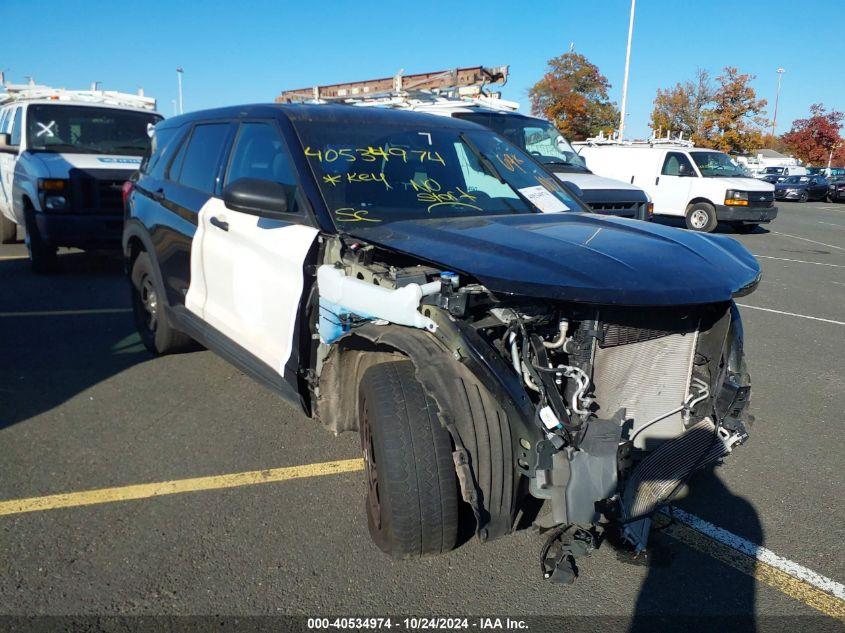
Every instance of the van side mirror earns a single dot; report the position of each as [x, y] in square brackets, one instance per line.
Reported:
[263, 198]
[6, 146]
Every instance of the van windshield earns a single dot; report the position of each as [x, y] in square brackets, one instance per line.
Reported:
[539, 138]
[717, 165]
[88, 129]
[384, 173]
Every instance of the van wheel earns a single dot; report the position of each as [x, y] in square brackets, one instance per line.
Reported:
[42, 255]
[412, 491]
[8, 230]
[701, 216]
[155, 330]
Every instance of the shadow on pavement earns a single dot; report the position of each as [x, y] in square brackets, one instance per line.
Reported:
[682, 581]
[62, 333]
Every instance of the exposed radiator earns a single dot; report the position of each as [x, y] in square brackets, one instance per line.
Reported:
[658, 476]
[647, 378]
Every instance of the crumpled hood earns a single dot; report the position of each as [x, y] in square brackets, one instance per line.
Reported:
[578, 257]
[59, 164]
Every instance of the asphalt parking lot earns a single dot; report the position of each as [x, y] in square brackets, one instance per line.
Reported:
[84, 407]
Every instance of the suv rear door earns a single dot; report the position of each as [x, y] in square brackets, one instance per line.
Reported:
[189, 181]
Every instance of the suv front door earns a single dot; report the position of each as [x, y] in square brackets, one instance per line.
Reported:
[252, 266]
[672, 186]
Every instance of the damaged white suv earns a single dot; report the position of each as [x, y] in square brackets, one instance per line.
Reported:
[424, 282]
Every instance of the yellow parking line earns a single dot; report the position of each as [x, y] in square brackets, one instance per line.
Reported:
[760, 571]
[767, 574]
[145, 491]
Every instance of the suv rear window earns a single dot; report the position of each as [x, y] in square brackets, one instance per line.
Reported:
[196, 166]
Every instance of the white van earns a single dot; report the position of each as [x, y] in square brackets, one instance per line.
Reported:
[704, 186]
[64, 158]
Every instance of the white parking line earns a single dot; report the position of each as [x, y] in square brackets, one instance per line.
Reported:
[839, 248]
[798, 261]
[761, 553]
[803, 316]
[838, 226]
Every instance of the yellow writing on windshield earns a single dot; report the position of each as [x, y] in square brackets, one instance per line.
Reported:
[511, 162]
[372, 154]
[350, 214]
[430, 191]
[368, 177]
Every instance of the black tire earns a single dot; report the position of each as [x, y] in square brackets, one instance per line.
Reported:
[412, 492]
[8, 230]
[805, 196]
[156, 332]
[42, 254]
[701, 216]
[742, 227]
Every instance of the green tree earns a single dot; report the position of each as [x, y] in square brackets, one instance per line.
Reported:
[734, 120]
[573, 95]
[681, 109]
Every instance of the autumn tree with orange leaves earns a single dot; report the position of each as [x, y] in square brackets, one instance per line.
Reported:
[726, 116]
[681, 109]
[573, 95]
[814, 139]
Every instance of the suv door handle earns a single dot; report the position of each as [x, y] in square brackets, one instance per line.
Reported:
[220, 224]
[158, 195]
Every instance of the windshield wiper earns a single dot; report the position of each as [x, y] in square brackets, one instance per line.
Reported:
[486, 163]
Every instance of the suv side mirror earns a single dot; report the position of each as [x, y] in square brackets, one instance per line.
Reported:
[6, 146]
[263, 198]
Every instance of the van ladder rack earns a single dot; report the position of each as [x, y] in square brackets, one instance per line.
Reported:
[462, 81]
[31, 92]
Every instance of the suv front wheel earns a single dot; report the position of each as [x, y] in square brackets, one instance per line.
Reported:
[151, 321]
[412, 490]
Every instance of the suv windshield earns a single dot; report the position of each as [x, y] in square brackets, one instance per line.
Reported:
[717, 165]
[795, 180]
[386, 172]
[539, 138]
[88, 130]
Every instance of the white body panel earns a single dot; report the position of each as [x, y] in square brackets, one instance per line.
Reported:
[642, 166]
[247, 282]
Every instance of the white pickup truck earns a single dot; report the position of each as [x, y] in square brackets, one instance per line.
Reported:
[64, 157]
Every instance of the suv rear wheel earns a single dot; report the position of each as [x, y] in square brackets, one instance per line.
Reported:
[412, 490]
[701, 216]
[155, 330]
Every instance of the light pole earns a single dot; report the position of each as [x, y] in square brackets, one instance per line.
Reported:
[179, 72]
[777, 98]
[627, 67]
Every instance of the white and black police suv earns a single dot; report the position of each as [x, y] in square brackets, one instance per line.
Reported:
[421, 280]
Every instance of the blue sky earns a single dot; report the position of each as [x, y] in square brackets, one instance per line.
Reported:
[247, 51]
